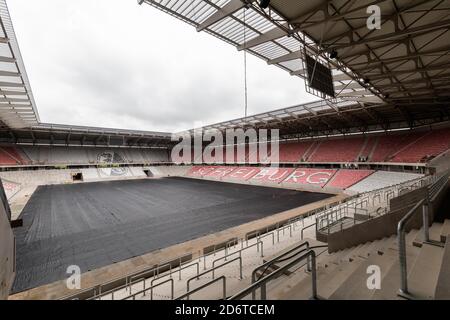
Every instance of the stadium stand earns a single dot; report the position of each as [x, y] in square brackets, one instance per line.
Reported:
[8, 156]
[345, 178]
[272, 175]
[307, 176]
[44, 155]
[415, 147]
[367, 150]
[339, 150]
[353, 180]
[425, 148]
[241, 174]
[382, 179]
[38, 177]
[293, 152]
[390, 144]
[219, 172]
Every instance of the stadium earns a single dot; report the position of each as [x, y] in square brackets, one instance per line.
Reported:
[345, 199]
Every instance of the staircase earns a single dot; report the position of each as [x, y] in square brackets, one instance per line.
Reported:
[343, 275]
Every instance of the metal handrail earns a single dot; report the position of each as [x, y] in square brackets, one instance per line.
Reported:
[402, 247]
[267, 234]
[137, 277]
[304, 228]
[215, 268]
[257, 244]
[283, 227]
[188, 266]
[253, 276]
[133, 296]
[263, 282]
[223, 278]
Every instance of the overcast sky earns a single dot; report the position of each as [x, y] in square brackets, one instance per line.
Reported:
[116, 64]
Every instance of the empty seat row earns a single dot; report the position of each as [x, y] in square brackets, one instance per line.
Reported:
[336, 178]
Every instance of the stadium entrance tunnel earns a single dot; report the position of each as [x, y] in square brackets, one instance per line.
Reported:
[77, 177]
[148, 173]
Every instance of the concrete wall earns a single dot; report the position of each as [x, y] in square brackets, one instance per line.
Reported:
[7, 249]
[385, 225]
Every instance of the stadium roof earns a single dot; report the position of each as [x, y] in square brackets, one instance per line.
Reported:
[324, 118]
[17, 106]
[395, 74]
[389, 78]
[60, 134]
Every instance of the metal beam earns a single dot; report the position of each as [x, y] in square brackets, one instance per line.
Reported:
[270, 35]
[227, 10]
[388, 36]
[287, 57]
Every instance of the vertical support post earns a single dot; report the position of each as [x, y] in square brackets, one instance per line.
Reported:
[425, 214]
[402, 259]
[263, 292]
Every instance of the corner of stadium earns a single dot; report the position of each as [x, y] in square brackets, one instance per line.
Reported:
[356, 205]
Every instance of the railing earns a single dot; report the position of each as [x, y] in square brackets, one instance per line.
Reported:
[224, 288]
[212, 270]
[402, 246]
[144, 291]
[434, 188]
[304, 228]
[262, 283]
[276, 259]
[348, 209]
[258, 243]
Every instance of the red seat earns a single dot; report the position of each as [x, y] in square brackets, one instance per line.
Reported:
[9, 156]
[428, 146]
[345, 178]
[293, 152]
[338, 150]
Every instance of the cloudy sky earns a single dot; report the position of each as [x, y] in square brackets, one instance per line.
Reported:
[116, 64]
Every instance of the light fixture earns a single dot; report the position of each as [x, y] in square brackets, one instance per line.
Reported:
[333, 54]
[264, 4]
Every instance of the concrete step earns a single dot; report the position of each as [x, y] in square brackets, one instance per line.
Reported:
[442, 291]
[299, 287]
[278, 286]
[355, 287]
[434, 231]
[445, 230]
[366, 249]
[424, 274]
[390, 283]
[328, 284]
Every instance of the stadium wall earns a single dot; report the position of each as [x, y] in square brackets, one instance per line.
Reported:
[7, 248]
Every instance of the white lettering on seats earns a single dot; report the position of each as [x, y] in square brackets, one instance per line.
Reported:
[295, 175]
[320, 180]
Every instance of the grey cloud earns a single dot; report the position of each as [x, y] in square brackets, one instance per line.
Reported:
[117, 64]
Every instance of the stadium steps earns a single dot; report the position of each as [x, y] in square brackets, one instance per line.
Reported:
[423, 277]
[312, 150]
[435, 232]
[355, 286]
[372, 150]
[391, 281]
[343, 274]
[442, 291]
[445, 232]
